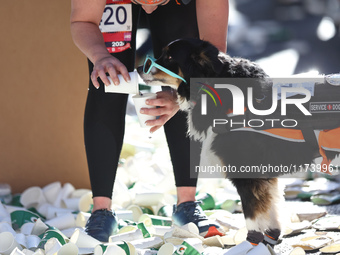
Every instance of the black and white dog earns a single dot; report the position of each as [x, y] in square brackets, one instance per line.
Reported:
[193, 58]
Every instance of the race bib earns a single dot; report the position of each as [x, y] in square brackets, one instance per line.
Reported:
[116, 25]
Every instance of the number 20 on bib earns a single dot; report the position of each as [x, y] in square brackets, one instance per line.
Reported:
[116, 25]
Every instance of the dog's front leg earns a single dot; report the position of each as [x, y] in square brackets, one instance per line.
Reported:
[259, 198]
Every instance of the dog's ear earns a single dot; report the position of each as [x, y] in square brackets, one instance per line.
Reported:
[207, 58]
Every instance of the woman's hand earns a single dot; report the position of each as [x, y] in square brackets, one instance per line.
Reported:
[112, 66]
[167, 107]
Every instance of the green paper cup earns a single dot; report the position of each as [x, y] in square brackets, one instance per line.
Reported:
[207, 201]
[147, 210]
[228, 205]
[142, 227]
[165, 211]
[20, 217]
[186, 249]
[50, 234]
[150, 220]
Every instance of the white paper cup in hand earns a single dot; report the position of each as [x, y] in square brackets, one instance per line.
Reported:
[124, 87]
[139, 101]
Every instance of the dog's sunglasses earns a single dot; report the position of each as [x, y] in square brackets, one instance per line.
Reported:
[151, 62]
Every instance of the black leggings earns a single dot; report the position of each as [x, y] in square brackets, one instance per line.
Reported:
[104, 120]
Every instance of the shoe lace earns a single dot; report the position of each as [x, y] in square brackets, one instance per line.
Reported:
[197, 214]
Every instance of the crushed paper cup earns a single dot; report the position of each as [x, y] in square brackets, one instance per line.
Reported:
[17, 251]
[26, 228]
[186, 249]
[52, 233]
[68, 249]
[333, 248]
[313, 242]
[8, 243]
[294, 228]
[126, 248]
[213, 241]
[131, 87]
[127, 236]
[150, 220]
[147, 243]
[159, 230]
[39, 227]
[32, 197]
[32, 241]
[52, 246]
[21, 239]
[259, 249]
[297, 251]
[82, 240]
[144, 230]
[165, 211]
[139, 101]
[51, 191]
[207, 201]
[3, 212]
[39, 252]
[240, 249]
[127, 228]
[148, 198]
[53, 211]
[20, 217]
[327, 223]
[71, 203]
[6, 227]
[325, 199]
[186, 231]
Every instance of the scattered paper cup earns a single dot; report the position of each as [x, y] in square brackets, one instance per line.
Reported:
[68, 249]
[49, 234]
[147, 243]
[64, 221]
[139, 101]
[21, 239]
[207, 201]
[167, 249]
[52, 246]
[32, 197]
[51, 191]
[32, 241]
[86, 202]
[82, 240]
[26, 228]
[8, 243]
[297, 251]
[127, 236]
[20, 217]
[186, 249]
[165, 210]
[39, 227]
[150, 220]
[82, 218]
[6, 227]
[17, 251]
[124, 87]
[136, 212]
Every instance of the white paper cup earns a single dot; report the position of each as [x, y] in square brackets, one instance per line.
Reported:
[127, 236]
[64, 193]
[39, 227]
[82, 240]
[21, 239]
[3, 212]
[64, 221]
[85, 202]
[52, 246]
[39, 252]
[32, 197]
[32, 241]
[71, 203]
[124, 87]
[82, 218]
[51, 191]
[6, 227]
[17, 251]
[166, 249]
[8, 243]
[124, 214]
[27, 252]
[26, 229]
[147, 243]
[68, 249]
[139, 101]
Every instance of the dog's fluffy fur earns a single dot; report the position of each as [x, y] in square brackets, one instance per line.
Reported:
[191, 58]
